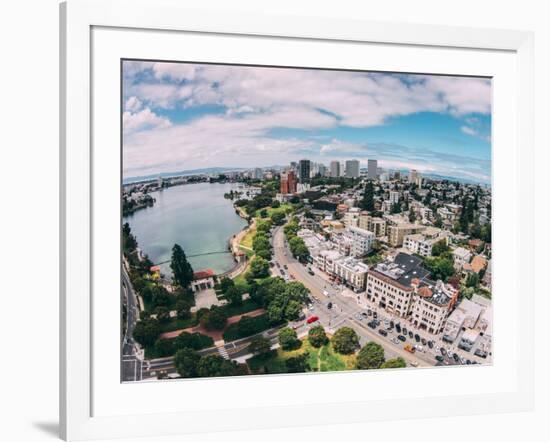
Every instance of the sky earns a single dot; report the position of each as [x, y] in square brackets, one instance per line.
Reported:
[185, 116]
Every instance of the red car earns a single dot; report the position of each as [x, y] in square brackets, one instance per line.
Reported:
[312, 319]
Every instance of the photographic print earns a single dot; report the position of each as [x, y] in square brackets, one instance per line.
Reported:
[294, 220]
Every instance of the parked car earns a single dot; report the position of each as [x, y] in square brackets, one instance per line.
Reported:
[285, 266]
[405, 330]
[411, 335]
[417, 337]
[398, 327]
[402, 338]
[383, 332]
[424, 342]
[456, 357]
[310, 307]
[443, 351]
[409, 348]
[329, 305]
[372, 324]
[364, 314]
[311, 272]
[431, 344]
[312, 319]
[374, 315]
[439, 358]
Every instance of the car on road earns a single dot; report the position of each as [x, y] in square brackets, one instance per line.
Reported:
[311, 272]
[413, 363]
[383, 332]
[402, 338]
[312, 319]
[409, 348]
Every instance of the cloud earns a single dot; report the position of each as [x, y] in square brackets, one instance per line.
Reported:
[141, 120]
[255, 105]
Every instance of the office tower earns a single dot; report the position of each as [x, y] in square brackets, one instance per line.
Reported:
[412, 176]
[335, 169]
[288, 182]
[352, 169]
[304, 171]
[372, 169]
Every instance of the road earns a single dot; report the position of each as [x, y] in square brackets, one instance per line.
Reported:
[347, 311]
[344, 311]
[131, 366]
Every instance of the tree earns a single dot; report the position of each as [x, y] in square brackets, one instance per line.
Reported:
[278, 218]
[370, 356]
[274, 313]
[259, 267]
[297, 364]
[181, 269]
[288, 339]
[226, 283]
[234, 296]
[292, 310]
[440, 267]
[186, 361]
[215, 319]
[394, 363]
[440, 247]
[162, 313]
[259, 346]
[367, 203]
[146, 332]
[183, 309]
[164, 347]
[317, 336]
[345, 341]
[196, 341]
[214, 365]
[412, 216]
[472, 280]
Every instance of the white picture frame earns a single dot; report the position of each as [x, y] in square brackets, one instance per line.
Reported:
[80, 380]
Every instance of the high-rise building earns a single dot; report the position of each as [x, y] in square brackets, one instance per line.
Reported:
[321, 169]
[372, 170]
[335, 169]
[305, 171]
[352, 169]
[258, 173]
[289, 182]
[418, 180]
[412, 176]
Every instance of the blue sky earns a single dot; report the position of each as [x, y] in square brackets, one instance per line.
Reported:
[180, 116]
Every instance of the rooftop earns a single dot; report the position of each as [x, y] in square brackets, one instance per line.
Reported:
[202, 274]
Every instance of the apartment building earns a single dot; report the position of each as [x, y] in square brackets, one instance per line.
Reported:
[465, 315]
[389, 283]
[461, 257]
[397, 233]
[431, 304]
[422, 243]
[372, 224]
[352, 272]
[360, 240]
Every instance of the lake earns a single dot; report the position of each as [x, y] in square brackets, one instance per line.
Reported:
[195, 216]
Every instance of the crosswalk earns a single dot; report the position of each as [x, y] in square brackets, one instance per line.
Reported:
[223, 352]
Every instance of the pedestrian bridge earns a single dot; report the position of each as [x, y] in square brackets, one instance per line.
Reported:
[221, 252]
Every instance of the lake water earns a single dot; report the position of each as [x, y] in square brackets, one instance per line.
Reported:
[195, 216]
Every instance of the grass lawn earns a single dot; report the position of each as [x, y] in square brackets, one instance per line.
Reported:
[319, 359]
[246, 242]
[283, 208]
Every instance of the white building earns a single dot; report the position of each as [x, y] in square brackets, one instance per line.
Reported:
[394, 197]
[461, 256]
[465, 315]
[351, 272]
[361, 241]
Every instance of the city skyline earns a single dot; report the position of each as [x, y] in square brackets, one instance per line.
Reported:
[179, 116]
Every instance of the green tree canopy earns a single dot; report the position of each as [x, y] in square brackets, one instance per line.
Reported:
[215, 319]
[345, 340]
[288, 339]
[367, 203]
[259, 267]
[370, 356]
[317, 336]
[259, 346]
[146, 332]
[186, 361]
[214, 365]
[394, 363]
[181, 269]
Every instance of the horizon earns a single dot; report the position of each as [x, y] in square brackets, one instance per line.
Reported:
[186, 116]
